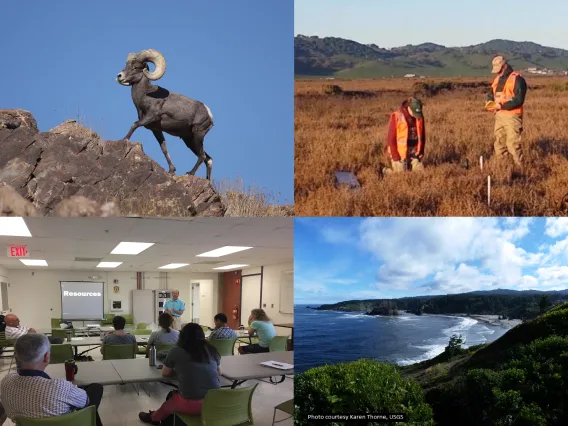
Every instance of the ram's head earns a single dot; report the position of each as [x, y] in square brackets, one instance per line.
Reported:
[137, 67]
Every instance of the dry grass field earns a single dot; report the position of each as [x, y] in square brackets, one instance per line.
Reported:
[347, 131]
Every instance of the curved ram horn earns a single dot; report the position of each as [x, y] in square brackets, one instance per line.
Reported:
[157, 59]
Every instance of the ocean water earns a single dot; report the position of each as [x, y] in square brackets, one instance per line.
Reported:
[329, 337]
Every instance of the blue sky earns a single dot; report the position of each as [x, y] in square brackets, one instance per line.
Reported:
[338, 259]
[390, 23]
[62, 57]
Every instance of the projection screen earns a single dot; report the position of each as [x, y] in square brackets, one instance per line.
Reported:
[82, 300]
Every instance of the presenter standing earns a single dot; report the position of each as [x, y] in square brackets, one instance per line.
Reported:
[175, 308]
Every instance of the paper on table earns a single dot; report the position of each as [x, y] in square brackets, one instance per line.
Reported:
[76, 338]
[278, 365]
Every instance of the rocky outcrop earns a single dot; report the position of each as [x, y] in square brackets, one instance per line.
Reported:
[386, 308]
[69, 171]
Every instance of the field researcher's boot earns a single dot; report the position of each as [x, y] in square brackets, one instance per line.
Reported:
[398, 166]
[416, 165]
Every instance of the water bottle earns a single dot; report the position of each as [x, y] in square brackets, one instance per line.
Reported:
[69, 335]
[152, 356]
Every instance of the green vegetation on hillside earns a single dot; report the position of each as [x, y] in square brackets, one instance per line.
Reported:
[513, 306]
[332, 56]
[521, 379]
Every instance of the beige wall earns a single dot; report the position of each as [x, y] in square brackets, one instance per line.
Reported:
[271, 293]
[36, 297]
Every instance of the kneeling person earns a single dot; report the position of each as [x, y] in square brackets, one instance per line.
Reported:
[406, 137]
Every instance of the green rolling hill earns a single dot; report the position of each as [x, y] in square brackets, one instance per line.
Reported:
[340, 58]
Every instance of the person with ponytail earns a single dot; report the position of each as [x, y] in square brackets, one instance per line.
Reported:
[196, 364]
[165, 335]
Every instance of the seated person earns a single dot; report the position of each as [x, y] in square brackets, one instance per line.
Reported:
[165, 335]
[14, 329]
[259, 322]
[222, 330]
[197, 367]
[118, 336]
[31, 393]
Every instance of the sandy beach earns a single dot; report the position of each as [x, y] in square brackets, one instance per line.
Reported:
[493, 320]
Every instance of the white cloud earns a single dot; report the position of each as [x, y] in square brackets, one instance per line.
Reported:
[462, 279]
[552, 276]
[516, 227]
[556, 226]
[414, 249]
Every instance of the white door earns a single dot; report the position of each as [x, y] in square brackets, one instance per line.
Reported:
[250, 297]
[195, 303]
[143, 304]
[4, 290]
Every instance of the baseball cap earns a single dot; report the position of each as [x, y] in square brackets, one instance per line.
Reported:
[497, 62]
[416, 107]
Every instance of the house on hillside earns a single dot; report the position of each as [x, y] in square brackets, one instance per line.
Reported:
[532, 70]
[410, 76]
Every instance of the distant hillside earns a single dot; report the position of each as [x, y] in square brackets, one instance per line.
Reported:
[337, 57]
[511, 303]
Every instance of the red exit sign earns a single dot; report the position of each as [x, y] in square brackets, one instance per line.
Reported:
[18, 251]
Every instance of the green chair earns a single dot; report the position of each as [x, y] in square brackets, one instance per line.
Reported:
[225, 347]
[278, 344]
[107, 319]
[205, 328]
[55, 322]
[84, 417]
[62, 332]
[162, 350]
[7, 344]
[129, 321]
[127, 351]
[287, 407]
[141, 326]
[60, 353]
[223, 407]
[141, 346]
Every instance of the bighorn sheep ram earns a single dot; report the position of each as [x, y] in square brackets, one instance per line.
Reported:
[162, 111]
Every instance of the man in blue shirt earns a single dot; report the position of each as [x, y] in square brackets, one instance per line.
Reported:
[175, 308]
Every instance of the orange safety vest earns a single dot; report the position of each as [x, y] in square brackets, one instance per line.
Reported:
[402, 134]
[507, 94]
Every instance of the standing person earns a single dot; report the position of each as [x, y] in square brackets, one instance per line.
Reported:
[261, 324]
[508, 92]
[197, 366]
[165, 335]
[14, 329]
[175, 307]
[222, 330]
[406, 137]
[30, 392]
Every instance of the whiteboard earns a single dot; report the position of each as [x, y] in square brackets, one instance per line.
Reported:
[287, 292]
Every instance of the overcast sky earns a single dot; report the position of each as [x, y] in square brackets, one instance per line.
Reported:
[390, 23]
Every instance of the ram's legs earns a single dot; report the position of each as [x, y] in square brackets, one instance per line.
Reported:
[195, 143]
[162, 140]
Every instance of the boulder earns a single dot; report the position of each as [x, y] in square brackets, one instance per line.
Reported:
[69, 171]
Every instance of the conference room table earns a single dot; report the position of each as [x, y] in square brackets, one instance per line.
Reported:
[237, 369]
[94, 341]
[83, 331]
